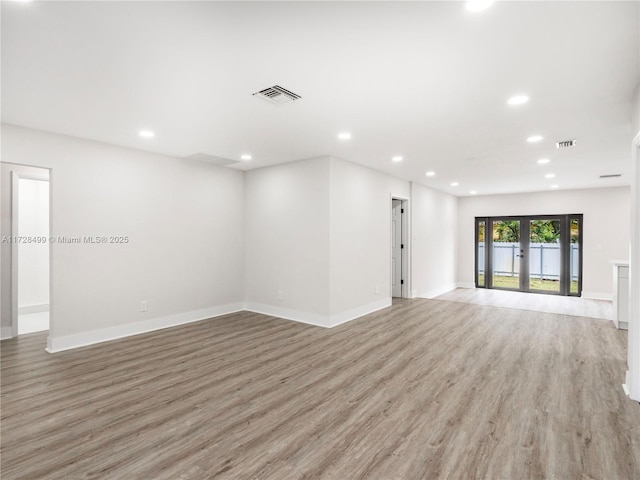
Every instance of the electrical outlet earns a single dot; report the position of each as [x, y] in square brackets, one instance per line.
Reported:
[376, 290]
[144, 305]
[280, 295]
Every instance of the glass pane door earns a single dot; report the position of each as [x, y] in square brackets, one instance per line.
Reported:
[545, 255]
[480, 254]
[532, 253]
[574, 256]
[505, 254]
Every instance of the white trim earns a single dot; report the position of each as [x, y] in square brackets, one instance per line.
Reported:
[597, 296]
[625, 388]
[28, 309]
[15, 196]
[15, 182]
[353, 313]
[465, 285]
[633, 336]
[438, 291]
[5, 333]
[58, 344]
[68, 342]
[317, 319]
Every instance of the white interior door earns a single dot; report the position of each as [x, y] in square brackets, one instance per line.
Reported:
[396, 248]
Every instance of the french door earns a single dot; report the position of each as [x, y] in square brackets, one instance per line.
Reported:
[539, 253]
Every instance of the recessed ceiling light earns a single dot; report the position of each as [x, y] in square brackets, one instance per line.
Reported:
[534, 138]
[344, 136]
[147, 134]
[518, 100]
[246, 156]
[550, 175]
[454, 184]
[430, 174]
[472, 192]
[553, 186]
[542, 161]
[396, 159]
[477, 5]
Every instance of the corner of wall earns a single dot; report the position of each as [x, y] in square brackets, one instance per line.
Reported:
[635, 113]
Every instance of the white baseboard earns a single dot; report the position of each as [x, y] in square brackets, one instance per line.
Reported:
[465, 285]
[353, 313]
[59, 344]
[597, 295]
[317, 319]
[5, 332]
[28, 309]
[438, 291]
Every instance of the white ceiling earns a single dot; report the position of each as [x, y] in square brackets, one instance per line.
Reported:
[425, 80]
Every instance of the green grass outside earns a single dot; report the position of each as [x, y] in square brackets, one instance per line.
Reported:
[500, 281]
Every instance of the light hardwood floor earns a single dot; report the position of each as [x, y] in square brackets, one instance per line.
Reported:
[425, 389]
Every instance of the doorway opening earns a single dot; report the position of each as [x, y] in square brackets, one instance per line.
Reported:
[538, 254]
[399, 248]
[30, 250]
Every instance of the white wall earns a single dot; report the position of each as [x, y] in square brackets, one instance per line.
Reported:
[318, 240]
[605, 229]
[287, 240]
[360, 237]
[184, 220]
[435, 226]
[33, 258]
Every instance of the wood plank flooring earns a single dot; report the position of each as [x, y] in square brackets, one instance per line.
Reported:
[425, 389]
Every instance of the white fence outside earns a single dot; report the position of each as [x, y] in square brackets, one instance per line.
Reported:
[544, 260]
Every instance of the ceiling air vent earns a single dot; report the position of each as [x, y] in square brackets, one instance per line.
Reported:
[205, 157]
[613, 175]
[277, 95]
[566, 144]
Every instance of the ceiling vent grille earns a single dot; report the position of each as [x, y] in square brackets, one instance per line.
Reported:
[613, 175]
[213, 159]
[566, 144]
[277, 95]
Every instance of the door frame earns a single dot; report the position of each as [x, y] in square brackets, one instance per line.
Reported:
[524, 240]
[406, 251]
[488, 245]
[15, 216]
[632, 379]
